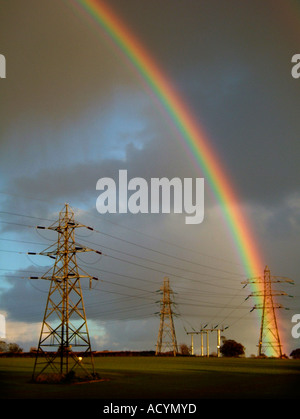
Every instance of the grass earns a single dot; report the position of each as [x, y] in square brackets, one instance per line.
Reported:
[162, 378]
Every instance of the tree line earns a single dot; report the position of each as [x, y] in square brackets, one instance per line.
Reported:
[10, 347]
[231, 348]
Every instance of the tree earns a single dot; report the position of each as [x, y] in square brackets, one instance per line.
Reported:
[14, 348]
[231, 348]
[10, 347]
[3, 346]
[295, 354]
[184, 349]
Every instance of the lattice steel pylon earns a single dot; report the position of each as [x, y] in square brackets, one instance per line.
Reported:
[269, 337]
[166, 341]
[64, 343]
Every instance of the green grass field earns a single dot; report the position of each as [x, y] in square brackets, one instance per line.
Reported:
[162, 378]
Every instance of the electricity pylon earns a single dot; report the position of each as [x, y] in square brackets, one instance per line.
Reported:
[64, 326]
[269, 333]
[166, 341]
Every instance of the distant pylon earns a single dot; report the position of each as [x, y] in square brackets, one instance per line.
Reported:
[64, 328]
[166, 341]
[269, 337]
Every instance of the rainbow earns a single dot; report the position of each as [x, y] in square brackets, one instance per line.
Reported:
[192, 136]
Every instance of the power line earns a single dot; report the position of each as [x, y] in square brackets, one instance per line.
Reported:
[136, 244]
[173, 244]
[145, 267]
[162, 240]
[166, 254]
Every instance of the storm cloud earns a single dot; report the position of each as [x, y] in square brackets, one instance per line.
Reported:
[74, 110]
